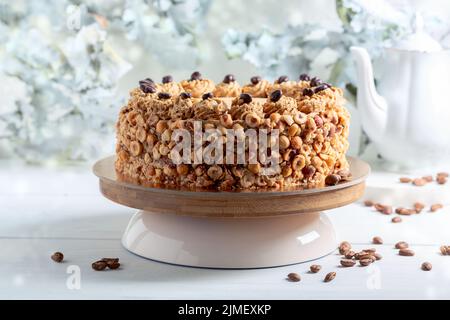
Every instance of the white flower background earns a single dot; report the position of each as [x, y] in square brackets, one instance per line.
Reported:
[67, 65]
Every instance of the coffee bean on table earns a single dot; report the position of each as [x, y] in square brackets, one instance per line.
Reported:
[368, 203]
[436, 207]
[112, 263]
[344, 247]
[377, 240]
[406, 252]
[426, 266]
[401, 245]
[57, 257]
[348, 262]
[365, 262]
[330, 276]
[441, 180]
[99, 265]
[315, 268]
[349, 254]
[419, 182]
[405, 180]
[418, 206]
[294, 277]
[445, 250]
[428, 178]
[396, 220]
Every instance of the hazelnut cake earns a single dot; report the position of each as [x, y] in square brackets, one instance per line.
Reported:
[309, 116]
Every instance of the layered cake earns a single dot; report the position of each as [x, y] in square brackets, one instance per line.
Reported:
[305, 122]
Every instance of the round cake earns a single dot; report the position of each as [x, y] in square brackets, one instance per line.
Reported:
[169, 133]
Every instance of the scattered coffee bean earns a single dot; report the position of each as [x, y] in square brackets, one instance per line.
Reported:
[404, 211]
[185, 95]
[428, 178]
[365, 262]
[315, 268]
[99, 265]
[419, 182]
[344, 247]
[406, 252]
[164, 95]
[442, 174]
[282, 79]
[308, 92]
[57, 257]
[330, 276]
[167, 79]
[441, 180]
[304, 77]
[196, 76]
[208, 95]
[294, 277]
[426, 266]
[405, 180]
[275, 95]
[401, 245]
[396, 220]
[111, 263]
[445, 250]
[228, 78]
[347, 263]
[418, 206]
[384, 209]
[332, 180]
[255, 80]
[315, 82]
[245, 98]
[436, 207]
[377, 240]
[377, 256]
[349, 254]
[369, 203]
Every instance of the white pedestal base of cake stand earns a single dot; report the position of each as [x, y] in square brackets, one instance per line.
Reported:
[230, 242]
[230, 229]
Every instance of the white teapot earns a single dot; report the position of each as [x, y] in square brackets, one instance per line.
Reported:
[409, 121]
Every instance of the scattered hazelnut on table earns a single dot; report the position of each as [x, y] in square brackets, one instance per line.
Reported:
[377, 240]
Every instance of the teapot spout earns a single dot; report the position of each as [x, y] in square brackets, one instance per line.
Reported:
[371, 105]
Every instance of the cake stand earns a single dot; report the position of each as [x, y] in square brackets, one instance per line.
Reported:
[231, 230]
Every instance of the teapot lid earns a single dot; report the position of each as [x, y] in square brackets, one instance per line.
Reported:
[419, 40]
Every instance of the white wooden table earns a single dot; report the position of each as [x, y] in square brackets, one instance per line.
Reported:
[43, 210]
